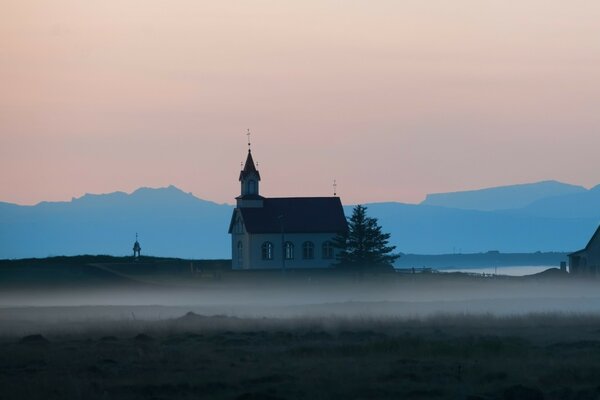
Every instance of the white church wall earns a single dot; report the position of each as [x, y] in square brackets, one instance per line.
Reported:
[236, 262]
[255, 251]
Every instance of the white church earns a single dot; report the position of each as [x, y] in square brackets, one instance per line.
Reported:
[281, 233]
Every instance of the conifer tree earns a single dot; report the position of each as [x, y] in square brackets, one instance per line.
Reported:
[364, 245]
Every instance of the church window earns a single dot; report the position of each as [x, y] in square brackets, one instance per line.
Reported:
[239, 226]
[240, 253]
[327, 250]
[267, 251]
[308, 250]
[251, 186]
[289, 250]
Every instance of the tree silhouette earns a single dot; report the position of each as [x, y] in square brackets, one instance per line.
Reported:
[364, 245]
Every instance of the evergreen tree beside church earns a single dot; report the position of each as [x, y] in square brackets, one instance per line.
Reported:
[364, 245]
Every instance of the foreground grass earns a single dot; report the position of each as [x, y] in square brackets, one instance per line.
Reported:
[550, 356]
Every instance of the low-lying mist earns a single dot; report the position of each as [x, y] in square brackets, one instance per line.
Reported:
[416, 297]
[317, 336]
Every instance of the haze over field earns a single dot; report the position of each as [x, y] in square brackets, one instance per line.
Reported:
[393, 99]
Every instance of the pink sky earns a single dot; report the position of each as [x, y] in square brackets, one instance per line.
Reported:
[394, 99]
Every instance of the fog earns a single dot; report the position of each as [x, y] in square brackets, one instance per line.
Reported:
[318, 336]
[417, 297]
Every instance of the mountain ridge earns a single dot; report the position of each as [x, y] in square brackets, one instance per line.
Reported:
[175, 223]
[502, 197]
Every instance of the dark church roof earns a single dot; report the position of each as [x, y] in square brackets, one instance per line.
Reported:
[249, 167]
[589, 245]
[300, 215]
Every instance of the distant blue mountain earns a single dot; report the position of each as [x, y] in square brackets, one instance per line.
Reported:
[170, 223]
[173, 223]
[578, 205]
[423, 229]
[502, 197]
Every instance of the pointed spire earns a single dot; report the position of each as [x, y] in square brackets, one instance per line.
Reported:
[249, 167]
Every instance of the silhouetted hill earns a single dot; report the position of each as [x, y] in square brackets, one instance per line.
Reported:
[502, 197]
[172, 223]
[100, 270]
[578, 205]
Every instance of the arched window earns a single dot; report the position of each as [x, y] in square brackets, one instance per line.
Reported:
[289, 250]
[308, 250]
[327, 250]
[239, 226]
[252, 186]
[267, 251]
[240, 253]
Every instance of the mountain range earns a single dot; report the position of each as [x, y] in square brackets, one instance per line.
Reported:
[543, 216]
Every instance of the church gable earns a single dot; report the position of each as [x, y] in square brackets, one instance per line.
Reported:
[236, 224]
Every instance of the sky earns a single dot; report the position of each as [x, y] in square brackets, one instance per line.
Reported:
[393, 99]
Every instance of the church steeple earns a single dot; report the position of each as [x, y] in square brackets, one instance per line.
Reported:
[249, 168]
[249, 182]
[249, 177]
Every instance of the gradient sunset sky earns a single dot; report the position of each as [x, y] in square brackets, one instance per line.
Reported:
[394, 99]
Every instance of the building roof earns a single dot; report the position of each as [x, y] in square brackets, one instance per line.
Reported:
[249, 167]
[595, 236]
[298, 215]
[250, 197]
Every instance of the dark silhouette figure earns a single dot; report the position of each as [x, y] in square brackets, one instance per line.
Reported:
[137, 249]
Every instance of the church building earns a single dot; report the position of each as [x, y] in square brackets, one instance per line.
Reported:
[282, 233]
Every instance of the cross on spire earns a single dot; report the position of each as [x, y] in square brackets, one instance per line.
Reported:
[248, 134]
[334, 187]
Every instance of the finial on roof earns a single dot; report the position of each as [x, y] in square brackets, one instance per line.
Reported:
[248, 134]
[334, 188]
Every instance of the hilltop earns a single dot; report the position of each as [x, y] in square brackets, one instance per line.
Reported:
[502, 197]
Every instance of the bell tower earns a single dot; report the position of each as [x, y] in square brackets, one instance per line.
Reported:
[249, 183]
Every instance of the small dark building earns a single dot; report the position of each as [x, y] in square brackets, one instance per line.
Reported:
[587, 261]
[137, 249]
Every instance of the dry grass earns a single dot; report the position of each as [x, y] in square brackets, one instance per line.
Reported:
[440, 356]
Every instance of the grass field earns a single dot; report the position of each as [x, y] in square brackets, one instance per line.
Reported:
[96, 328]
[552, 356]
